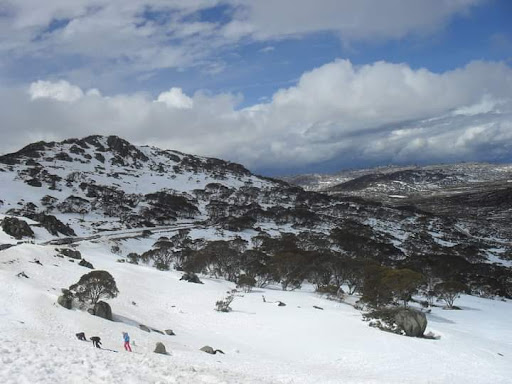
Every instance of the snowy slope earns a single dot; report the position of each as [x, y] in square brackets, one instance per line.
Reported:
[106, 182]
[263, 343]
[111, 193]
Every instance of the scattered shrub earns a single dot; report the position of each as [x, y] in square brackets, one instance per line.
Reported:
[224, 304]
[246, 283]
[133, 258]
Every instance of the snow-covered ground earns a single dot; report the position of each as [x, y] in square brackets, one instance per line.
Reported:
[263, 343]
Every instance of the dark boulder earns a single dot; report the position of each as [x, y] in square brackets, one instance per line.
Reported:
[71, 253]
[17, 228]
[170, 332]
[210, 350]
[144, 328]
[53, 225]
[191, 277]
[405, 321]
[66, 299]
[34, 183]
[86, 264]
[5, 246]
[412, 322]
[103, 310]
[160, 348]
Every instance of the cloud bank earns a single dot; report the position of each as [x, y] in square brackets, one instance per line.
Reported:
[116, 39]
[353, 20]
[337, 113]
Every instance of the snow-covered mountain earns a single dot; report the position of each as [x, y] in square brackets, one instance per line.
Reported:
[113, 183]
[414, 181]
[145, 214]
[86, 186]
[473, 192]
[381, 181]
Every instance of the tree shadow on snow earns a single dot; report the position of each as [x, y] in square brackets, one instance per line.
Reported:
[469, 308]
[125, 320]
[238, 311]
[136, 324]
[439, 319]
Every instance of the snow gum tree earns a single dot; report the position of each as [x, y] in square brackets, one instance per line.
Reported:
[402, 283]
[374, 293]
[246, 282]
[94, 286]
[384, 285]
[449, 291]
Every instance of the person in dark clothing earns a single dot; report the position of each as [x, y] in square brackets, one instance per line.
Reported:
[81, 336]
[96, 341]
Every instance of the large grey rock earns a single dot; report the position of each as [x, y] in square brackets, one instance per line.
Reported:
[210, 350]
[413, 322]
[191, 277]
[65, 301]
[52, 224]
[17, 228]
[170, 332]
[72, 253]
[103, 310]
[160, 348]
[144, 328]
[406, 321]
[86, 264]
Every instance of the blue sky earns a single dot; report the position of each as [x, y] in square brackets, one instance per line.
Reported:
[258, 69]
[283, 86]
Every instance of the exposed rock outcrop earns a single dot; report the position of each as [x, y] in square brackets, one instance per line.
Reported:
[71, 253]
[66, 299]
[160, 348]
[406, 321]
[86, 264]
[17, 228]
[103, 310]
[413, 322]
[210, 350]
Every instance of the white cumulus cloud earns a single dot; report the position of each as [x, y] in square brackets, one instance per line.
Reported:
[60, 90]
[175, 98]
[342, 113]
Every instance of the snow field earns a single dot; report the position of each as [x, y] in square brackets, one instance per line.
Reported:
[263, 343]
